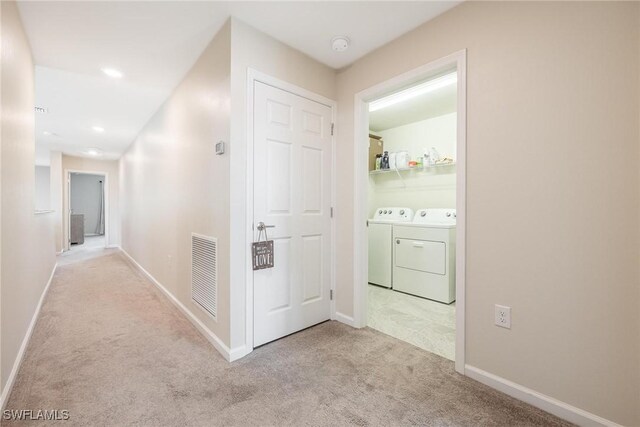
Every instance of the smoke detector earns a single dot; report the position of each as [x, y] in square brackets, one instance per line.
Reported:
[340, 43]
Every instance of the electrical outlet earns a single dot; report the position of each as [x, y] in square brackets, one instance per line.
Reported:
[503, 316]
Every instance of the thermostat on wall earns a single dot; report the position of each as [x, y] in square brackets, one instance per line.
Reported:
[220, 148]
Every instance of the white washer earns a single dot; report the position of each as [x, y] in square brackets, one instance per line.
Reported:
[381, 242]
[424, 261]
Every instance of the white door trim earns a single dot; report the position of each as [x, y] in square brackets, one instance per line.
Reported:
[361, 124]
[257, 76]
[67, 206]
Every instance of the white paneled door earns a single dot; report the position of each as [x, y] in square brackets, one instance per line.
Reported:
[292, 193]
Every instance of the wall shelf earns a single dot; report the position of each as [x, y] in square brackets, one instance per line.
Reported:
[413, 169]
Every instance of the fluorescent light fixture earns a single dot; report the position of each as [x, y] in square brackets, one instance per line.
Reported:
[412, 92]
[98, 129]
[113, 73]
[93, 152]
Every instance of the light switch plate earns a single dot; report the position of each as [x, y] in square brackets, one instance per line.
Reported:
[503, 316]
[220, 148]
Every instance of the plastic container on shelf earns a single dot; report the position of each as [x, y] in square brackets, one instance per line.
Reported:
[392, 161]
[402, 159]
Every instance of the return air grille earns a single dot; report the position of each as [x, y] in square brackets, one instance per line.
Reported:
[204, 272]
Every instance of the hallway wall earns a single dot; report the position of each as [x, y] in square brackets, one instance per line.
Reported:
[112, 168]
[57, 186]
[173, 183]
[553, 96]
[27, 246]
[43, 188]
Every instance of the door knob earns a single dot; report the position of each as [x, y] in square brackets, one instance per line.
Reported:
[262, 226]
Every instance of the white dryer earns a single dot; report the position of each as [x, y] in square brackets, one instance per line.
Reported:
[424, 255]
[381, 242]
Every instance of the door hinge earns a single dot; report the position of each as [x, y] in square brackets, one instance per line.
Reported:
[331, 211]
[331, 294]
[332, 127]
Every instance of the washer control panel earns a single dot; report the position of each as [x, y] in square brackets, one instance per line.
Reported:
[394, 214]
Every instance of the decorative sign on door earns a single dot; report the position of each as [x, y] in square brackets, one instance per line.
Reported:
[262, 251]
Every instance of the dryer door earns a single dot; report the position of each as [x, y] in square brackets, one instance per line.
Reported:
[421, 255]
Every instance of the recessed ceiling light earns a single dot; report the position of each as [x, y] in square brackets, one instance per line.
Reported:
[93, 152]
[113, 73]
[98, 129]
[414, 91]
[340, 43]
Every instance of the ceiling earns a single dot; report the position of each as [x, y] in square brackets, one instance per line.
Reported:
[310, 26]
[155, 43]
[433, 104]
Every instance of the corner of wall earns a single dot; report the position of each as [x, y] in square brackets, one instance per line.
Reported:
[185, 158]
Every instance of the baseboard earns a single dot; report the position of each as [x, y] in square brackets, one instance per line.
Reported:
[229, 355]
[546, 403]
[343, 318]
[113, 247]
[238, 353]
[6, 392]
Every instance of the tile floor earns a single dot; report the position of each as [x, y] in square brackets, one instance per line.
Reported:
[427, 324]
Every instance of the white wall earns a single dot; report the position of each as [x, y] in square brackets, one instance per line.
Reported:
[173, 183]
[43, 187]
[86, 199]
[252, 49]
[112, 169]
[27, 247]
[57, 194]
[552, 226]
[433, 188]
[438, 132]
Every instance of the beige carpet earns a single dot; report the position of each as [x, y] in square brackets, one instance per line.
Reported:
[111, 350]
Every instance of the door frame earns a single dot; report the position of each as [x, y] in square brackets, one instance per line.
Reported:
[67, 205]
[254, 76]
[361, 131]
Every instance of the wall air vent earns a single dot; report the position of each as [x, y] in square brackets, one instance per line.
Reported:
[204, 272]
[42, 110]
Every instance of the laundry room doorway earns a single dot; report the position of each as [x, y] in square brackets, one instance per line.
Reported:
[410, 207]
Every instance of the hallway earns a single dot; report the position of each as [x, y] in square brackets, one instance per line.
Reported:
[111, 349]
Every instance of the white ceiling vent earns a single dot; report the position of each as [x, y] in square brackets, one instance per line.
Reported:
[204, 272]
